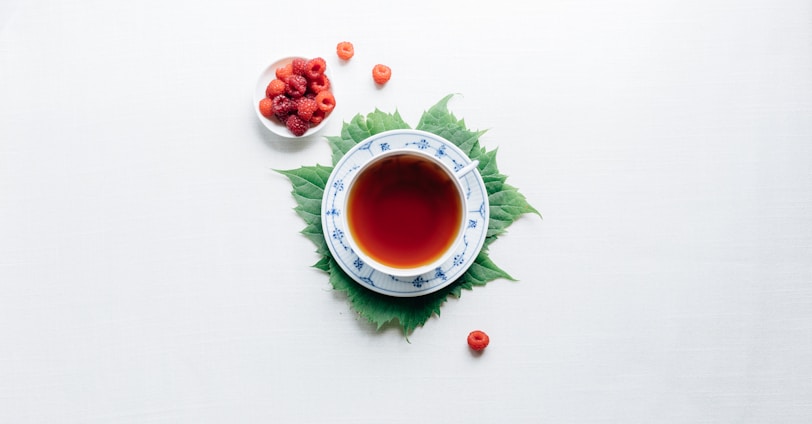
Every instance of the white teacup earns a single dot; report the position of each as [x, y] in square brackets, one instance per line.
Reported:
[405, 212]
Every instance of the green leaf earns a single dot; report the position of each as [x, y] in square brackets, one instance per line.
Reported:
[339, 147]
[440, 121]
[315, 234]
[360, 128]
[482, 271]
[323, 263]
[308, 190]
[381, 310]
[490, 172]
[378, 122]
[408, 313]
[505, 207]
[308, 185]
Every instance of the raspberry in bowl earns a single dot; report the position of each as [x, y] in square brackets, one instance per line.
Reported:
[293, 96]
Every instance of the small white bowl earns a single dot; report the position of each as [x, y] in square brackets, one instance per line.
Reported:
[274, 125]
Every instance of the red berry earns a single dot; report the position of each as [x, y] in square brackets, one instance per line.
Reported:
[283, 106]
[326, 101]
[478, 340]
[298, 66]
[296, 86]
[314, 67]
[266, 107]
[381, 73]
[297, 125]
[305, 107]
[319, 84]
[317, 117]
[275, 88]
[285, 71]
[345, 50]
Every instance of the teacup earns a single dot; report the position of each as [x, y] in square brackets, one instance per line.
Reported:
[405, 212]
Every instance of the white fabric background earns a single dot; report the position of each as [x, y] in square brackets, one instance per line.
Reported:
[151, 269]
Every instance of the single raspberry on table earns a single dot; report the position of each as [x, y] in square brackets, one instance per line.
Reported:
[381, 73]
[296, 86]
[275, 88]
[345, 50]
[297, 125]
[478, 340]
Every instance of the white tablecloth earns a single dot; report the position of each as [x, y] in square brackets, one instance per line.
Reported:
[152, 270]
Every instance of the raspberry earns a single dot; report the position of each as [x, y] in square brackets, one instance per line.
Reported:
[266, 107]
[298, 66]
[317, 117]
[345, 50]
[326, 101]
[275, 88]
[319, 84]
[478, 340]
[297, 125]
[305, 107]
[282, 106]
[381, 73]
[314, 67]
[283, 72]
[295, 86]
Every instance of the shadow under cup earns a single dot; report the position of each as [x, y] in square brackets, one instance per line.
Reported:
[405, 212]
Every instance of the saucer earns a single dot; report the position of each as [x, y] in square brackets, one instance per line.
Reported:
[465, 252]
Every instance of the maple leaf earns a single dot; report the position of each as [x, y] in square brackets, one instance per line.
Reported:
[506, 205]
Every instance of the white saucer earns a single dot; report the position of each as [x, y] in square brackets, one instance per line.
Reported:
[465, 252]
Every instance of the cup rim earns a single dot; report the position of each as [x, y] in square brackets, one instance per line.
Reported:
[410, 271]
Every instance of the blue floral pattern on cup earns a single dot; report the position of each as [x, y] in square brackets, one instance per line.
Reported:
[465, 252]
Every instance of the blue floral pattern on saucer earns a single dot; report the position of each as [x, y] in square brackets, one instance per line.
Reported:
[465, 252]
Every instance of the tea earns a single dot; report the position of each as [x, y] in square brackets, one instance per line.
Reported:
[404, 211]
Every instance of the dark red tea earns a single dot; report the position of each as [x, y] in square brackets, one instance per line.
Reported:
[404, 211]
